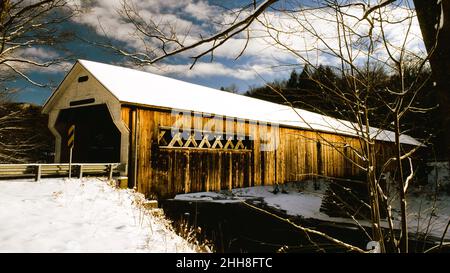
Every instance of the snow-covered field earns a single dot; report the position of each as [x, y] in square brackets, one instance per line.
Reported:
[87, 215]
[307, 202]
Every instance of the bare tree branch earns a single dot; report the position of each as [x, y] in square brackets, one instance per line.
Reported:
[30, 24]
[308, 230]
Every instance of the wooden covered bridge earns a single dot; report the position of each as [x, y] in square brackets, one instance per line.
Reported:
[177, 137]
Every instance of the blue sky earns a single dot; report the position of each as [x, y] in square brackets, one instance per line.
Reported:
[261, 61]
[78, 49]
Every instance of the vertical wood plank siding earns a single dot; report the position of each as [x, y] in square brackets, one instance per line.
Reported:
[163, 173]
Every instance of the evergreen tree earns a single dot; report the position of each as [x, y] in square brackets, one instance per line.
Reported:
[293, 80]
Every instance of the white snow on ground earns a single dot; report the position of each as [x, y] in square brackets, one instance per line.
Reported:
[222, 197]
[427, 216]
[307, 202]
[87, 215]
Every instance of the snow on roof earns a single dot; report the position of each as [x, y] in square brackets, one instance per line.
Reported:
[133, 86]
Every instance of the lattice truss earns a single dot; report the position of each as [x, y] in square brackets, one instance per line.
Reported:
[174, 138]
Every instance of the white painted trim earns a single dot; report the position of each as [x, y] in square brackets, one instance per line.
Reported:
[52, 117]
[71, 90]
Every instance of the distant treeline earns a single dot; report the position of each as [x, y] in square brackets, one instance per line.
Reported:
[24, 135]
[315, 89]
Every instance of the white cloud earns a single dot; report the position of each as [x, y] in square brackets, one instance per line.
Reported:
[203, 69]
[63, 66]
[316, 36]
[103, 16]
[311, 34]
[201, 10]
[39, 54]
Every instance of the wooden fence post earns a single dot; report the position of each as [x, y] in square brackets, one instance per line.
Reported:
[38, 172]
[110, 171]
[80, 173]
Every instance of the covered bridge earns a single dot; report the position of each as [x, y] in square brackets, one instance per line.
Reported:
[177, 137]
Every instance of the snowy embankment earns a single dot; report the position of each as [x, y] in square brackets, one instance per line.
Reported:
[424, 215]
[87, 215]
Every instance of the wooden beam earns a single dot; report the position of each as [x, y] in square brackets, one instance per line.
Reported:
[176, 139]
[229, 143]
[161, 138]
[198, 149]
[230, 173]
[239, 144]
[190, 140]
[217, 142]
[205, 141]
[187, 174]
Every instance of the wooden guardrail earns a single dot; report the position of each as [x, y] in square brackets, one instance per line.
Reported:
[78, 169]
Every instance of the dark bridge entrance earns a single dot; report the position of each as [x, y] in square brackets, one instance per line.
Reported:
[97, 138]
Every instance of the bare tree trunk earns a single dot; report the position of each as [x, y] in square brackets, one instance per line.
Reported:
[428, 14]
[402, 192]
[377, 232]
[375, 209]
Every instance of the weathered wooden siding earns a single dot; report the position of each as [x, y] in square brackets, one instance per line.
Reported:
[182, 171]
[125, 113]
[306, 154]
[299, 155]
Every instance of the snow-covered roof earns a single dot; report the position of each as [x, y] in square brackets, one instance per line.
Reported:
[138, 87]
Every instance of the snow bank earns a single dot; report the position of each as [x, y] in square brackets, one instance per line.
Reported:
[426, 215]
[439, 173]
[87, 215]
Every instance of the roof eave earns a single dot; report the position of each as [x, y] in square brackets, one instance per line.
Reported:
[45, 109]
